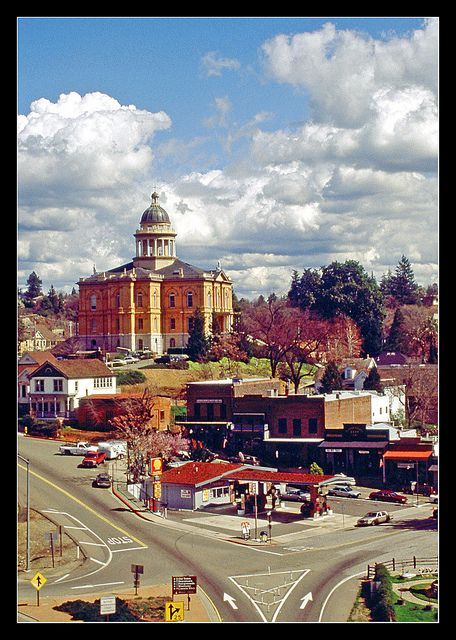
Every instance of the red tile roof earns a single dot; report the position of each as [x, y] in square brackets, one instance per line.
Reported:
[276, 476]
[198, 473]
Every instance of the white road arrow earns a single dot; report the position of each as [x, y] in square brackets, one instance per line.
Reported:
[306, 599]
[230, 599]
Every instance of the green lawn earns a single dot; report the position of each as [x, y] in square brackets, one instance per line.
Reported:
[410, 612]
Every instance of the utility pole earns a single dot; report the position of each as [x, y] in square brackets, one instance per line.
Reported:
[27, 557]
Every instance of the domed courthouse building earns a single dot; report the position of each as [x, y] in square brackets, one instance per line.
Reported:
[149, 303]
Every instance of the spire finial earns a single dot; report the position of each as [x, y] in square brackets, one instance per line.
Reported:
[154, 197]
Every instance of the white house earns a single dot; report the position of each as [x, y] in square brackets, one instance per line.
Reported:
[56, 387]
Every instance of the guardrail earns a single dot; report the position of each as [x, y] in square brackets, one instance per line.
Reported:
[420, 565]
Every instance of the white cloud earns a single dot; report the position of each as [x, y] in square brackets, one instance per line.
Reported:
[342, 70]
[357, 181]
[214, 65]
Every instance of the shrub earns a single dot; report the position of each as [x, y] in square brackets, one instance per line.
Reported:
[383, 598]
[45, 429]
[130, 377]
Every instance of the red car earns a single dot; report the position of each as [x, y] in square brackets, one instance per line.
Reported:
[386, 495]
[94, 458]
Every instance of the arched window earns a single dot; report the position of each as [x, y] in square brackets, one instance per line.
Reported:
[140, 299]
[189, 299]
[209, 299]
[117, 300]
[155, 299]
[172, 343]
[93, 302]
[172, 300]
[140, 344]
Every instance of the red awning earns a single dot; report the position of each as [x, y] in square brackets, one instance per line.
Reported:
[407, 455]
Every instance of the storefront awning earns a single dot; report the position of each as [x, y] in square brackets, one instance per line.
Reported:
[346, 444]
[407, 455]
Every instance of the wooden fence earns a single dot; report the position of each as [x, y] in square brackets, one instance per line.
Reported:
[419, 565]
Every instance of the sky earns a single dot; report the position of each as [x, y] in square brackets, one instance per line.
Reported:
[275, 144]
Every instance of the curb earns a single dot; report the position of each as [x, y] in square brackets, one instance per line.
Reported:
[128, 504]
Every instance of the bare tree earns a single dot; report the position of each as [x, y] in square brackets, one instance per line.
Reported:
[276, 326]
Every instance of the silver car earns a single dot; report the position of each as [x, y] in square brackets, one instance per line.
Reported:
[374, 517]
[344, 491]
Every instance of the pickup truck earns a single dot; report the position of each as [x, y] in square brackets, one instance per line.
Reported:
[94, 458]
[77, 449]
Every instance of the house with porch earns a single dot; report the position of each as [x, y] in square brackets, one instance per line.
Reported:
[56, 387]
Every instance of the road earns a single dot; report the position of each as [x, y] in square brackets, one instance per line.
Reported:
[300, 580]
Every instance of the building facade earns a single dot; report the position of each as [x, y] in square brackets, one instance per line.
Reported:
[149, 303]
[99, 409]
[57, 387]
[255, 417]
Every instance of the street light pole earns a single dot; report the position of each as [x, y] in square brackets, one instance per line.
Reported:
[256, 513]
[27, 555]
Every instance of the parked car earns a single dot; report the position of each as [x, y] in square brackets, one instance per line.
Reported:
[344, 491]
[130, 360]
[434, 498]
[94, 458]
[293, 494]
[76, 449]
[116, 363]
[102, 480]
[386, 495]
[374, 518]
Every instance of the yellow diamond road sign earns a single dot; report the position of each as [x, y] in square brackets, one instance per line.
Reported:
[38, 581]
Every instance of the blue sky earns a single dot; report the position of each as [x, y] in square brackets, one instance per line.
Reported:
[307, 127]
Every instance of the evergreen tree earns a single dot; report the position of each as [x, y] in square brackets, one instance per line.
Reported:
[396, 334]
[33, 286]
[51, 302]
[332, 379]
[403, 286]
[304, 292]
[372, 382]
[198, 343]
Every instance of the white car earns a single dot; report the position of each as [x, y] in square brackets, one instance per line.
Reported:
[116, 363]
[373, 517]
[130, 360]
[434, 498]
[344, 491]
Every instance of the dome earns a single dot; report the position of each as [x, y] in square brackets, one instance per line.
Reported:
[155, 213]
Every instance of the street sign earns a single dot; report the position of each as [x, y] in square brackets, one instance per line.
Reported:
[156, 466]
[404, 465]
[107, 605]
[184, 584]
[174, 611]
[38, 581]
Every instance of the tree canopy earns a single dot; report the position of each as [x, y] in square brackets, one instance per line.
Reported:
[343, 289]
